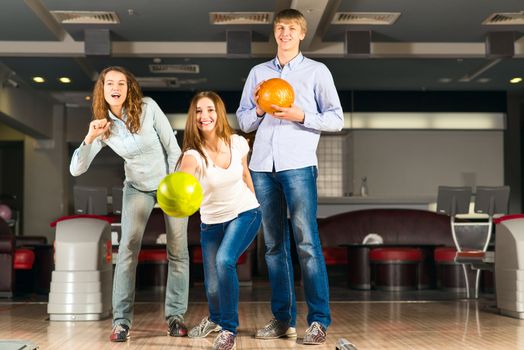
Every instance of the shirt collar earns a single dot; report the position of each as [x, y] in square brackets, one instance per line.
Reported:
[292, 64]
[112, 116]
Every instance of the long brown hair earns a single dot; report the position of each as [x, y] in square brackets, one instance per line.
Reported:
[193, 137]
[132, 104]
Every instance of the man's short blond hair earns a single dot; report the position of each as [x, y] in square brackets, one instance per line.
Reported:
[291, 15]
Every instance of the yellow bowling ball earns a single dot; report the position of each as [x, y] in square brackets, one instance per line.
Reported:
[179, 194]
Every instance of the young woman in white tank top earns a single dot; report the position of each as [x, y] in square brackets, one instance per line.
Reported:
[229, 212]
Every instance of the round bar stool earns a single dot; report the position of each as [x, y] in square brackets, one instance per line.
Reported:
[395, 268]
[197, 261]
[24, 260]
[450, 276]
[152, 269]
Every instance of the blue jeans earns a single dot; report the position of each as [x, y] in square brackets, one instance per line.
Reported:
[295, 190]
[222, 245]
[136, 209]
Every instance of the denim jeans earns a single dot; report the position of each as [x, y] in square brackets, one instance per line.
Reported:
[222, 245]
[136, 209]
[295, 190]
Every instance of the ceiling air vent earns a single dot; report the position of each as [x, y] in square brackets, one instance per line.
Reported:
[174, 68]
[154, 82]
[365, 18]
[220, 18]
[86, 17]
[505, 19]
[192, 81]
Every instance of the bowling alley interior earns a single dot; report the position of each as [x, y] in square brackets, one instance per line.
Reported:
[419, 207]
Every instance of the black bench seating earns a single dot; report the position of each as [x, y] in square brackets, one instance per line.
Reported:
[398, 227]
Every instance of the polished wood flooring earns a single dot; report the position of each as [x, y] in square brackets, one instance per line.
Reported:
[371, 320]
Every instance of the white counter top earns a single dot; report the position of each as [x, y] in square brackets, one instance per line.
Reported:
[328, 206]
[372, 199]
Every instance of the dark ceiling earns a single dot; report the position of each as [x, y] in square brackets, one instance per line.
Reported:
[431, 46]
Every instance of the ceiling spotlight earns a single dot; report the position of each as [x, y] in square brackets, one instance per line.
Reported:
[64, 80]
[88, 98]
[515, 80]
[12, 83]
[445, 80]
[38, 80]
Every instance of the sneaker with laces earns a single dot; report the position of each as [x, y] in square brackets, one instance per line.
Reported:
[203, 329]
[120, 333]
[276, 329]
[315, 334]
[177, 328]
[226, 340]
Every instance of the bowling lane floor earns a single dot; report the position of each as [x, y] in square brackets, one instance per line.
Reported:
[427, 319]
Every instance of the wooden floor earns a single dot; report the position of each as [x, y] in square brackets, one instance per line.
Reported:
[445, 324]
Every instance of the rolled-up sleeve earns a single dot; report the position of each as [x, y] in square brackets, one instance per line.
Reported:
[329, 116]
[83, 156]
[247, 112]
[166, 135]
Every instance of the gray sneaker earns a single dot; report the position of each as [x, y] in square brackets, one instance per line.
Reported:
[226, 340]
[203, 329]
[315, 334]
[276, 329]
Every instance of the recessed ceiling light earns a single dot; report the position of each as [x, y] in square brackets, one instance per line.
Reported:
[64, 80]
[515, 80]
[38, 79]
[88, 98]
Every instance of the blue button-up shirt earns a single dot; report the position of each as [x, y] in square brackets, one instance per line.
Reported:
[284, 144]
[149, 155]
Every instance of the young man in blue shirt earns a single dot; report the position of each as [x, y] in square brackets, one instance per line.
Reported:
[284, 171]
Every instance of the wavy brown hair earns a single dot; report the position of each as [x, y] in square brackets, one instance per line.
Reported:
[193, 137]
[132, 104]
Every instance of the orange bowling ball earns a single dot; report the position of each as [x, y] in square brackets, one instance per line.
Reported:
[275, 91]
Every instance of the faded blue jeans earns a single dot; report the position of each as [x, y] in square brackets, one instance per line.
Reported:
[222, 245]
[295, 190]
[136, 209]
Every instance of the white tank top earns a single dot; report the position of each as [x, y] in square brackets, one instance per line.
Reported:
[225, 193]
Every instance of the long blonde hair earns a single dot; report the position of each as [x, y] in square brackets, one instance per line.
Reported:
[193, 137]
[132, 104]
